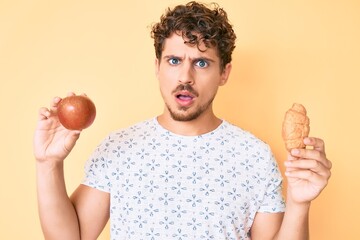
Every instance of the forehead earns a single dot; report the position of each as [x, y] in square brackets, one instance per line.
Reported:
[177, 45]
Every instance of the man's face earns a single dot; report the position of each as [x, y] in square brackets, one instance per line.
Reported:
[189, 78]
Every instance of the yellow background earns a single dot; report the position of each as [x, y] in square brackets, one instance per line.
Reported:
[287, 51]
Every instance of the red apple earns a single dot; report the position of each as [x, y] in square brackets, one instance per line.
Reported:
[76, 112]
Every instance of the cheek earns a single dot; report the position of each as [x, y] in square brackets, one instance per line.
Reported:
[167, 79]
[165, 87]
[210, 94]
[208, 89]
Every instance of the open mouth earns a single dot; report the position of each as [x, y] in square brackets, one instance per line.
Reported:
[184, 98]
[185, 95]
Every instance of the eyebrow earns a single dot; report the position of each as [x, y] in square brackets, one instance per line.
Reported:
[167, 57]
[203, 58]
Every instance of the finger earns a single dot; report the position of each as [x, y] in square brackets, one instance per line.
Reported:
[317, 143]
[44, 113]
[308, 154]
[311, 154]
[288, 161]
[309, 176]
[291, 157]
[55, 101]
[313, 165]
[70, 94]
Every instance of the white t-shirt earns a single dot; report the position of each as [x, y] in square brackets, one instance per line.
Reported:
[167, 186]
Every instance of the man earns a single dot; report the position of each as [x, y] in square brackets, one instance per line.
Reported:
[185, 174]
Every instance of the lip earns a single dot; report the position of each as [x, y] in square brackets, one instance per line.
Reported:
[184, 98]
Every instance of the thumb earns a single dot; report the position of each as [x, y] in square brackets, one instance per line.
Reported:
[71, 139]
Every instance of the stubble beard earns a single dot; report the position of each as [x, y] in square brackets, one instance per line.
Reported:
[184, 114]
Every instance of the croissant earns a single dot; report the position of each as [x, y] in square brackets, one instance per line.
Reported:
[295, 127]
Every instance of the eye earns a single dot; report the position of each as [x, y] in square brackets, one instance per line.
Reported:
[202, 63]
[174, 61]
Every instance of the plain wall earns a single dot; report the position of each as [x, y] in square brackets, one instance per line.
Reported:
[287, 51]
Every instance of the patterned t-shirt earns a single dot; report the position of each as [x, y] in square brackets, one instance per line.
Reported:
[167, 186]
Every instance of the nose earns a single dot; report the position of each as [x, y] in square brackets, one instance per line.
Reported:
[186, 75]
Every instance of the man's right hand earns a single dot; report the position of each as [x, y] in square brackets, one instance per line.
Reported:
[53, 142]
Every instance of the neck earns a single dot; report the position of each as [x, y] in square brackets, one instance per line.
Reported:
[203, 124]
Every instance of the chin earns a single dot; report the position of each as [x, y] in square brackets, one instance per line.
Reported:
[184, 115]
[183, 118]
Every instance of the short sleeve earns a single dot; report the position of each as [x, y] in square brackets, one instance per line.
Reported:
[273, 199]
[96, 169]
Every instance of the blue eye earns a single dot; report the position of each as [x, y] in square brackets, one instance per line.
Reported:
[202, 63]
[174, 61]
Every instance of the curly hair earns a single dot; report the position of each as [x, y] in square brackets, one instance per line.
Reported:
[198, 24]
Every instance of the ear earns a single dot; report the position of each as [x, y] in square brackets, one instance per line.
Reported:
[225, 74]
[157, 66]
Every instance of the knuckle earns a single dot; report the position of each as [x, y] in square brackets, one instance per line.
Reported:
[329, 164]
[317, 155]
[317, 164]
[329, 175]
[309, 174]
